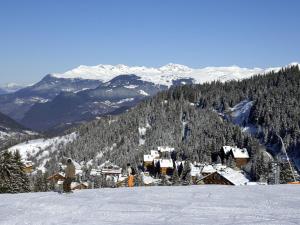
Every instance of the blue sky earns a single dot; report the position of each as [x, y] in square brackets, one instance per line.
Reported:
[40, 37]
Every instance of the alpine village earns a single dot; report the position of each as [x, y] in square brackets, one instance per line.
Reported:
[216, 133]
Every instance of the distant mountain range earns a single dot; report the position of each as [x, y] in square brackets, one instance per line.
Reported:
[10, 88]
[83, 93]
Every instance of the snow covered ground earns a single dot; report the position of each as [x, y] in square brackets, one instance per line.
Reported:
[41, 148]
[157, 205]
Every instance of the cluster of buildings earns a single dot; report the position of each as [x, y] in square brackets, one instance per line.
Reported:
[162, 161]
[108, 170]
[202, 173]
[160, 158]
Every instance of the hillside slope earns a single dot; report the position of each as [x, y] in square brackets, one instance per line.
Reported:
[31, 105]
[12, 132]
[268, 205]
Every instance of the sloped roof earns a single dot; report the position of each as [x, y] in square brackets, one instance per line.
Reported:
[165, 149]
[227, 149]
[208, 169]
[165, 163]
[235, 177]
[240, 153]
[237, 152]
[148, 158]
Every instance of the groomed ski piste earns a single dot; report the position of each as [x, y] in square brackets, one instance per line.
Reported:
[204, 204]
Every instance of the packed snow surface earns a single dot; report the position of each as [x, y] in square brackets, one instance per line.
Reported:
[205, 204]
[163, 75]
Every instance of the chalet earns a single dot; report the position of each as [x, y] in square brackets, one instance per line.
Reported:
[165, 149]
[225, 176]
[165, 165]
[56, 177]
[148, 160]
[240, 156]
[95, 172]
[28, 167]
[111, 169]
[79, 186]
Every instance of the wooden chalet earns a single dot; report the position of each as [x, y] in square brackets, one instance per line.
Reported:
[56, 177]
[110, 169]
[226, 176]
[166, 166]
[148, 160]
[79, 186]
[240, 155]
[28, 167]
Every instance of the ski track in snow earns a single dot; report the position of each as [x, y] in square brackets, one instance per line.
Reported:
[206, 204]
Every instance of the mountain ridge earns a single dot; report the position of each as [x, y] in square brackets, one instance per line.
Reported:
[163, 75]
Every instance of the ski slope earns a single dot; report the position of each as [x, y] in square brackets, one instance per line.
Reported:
[156, 205]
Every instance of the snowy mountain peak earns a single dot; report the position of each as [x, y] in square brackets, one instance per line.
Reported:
[164, 75]
[173, 68]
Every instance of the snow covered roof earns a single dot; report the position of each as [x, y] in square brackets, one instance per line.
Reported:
[237, 152]
[142, 130]
[28, 163]
[208, 169]
[148, 158]
[165, 149]
[234, 176]
[227, 149]
[240, 153]
[110, 168]
[165, 163]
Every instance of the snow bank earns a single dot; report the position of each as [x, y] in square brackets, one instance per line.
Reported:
[205, 204]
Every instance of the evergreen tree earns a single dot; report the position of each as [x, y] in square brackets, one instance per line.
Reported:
[12, 176]
[286, 175]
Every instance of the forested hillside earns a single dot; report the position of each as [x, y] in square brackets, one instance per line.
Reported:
[276, 104]
[12, 132]
[191, 119]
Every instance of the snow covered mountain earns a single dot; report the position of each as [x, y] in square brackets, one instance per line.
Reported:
[89, 91]
[164, 75]
[18, 103]
[112, 97]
